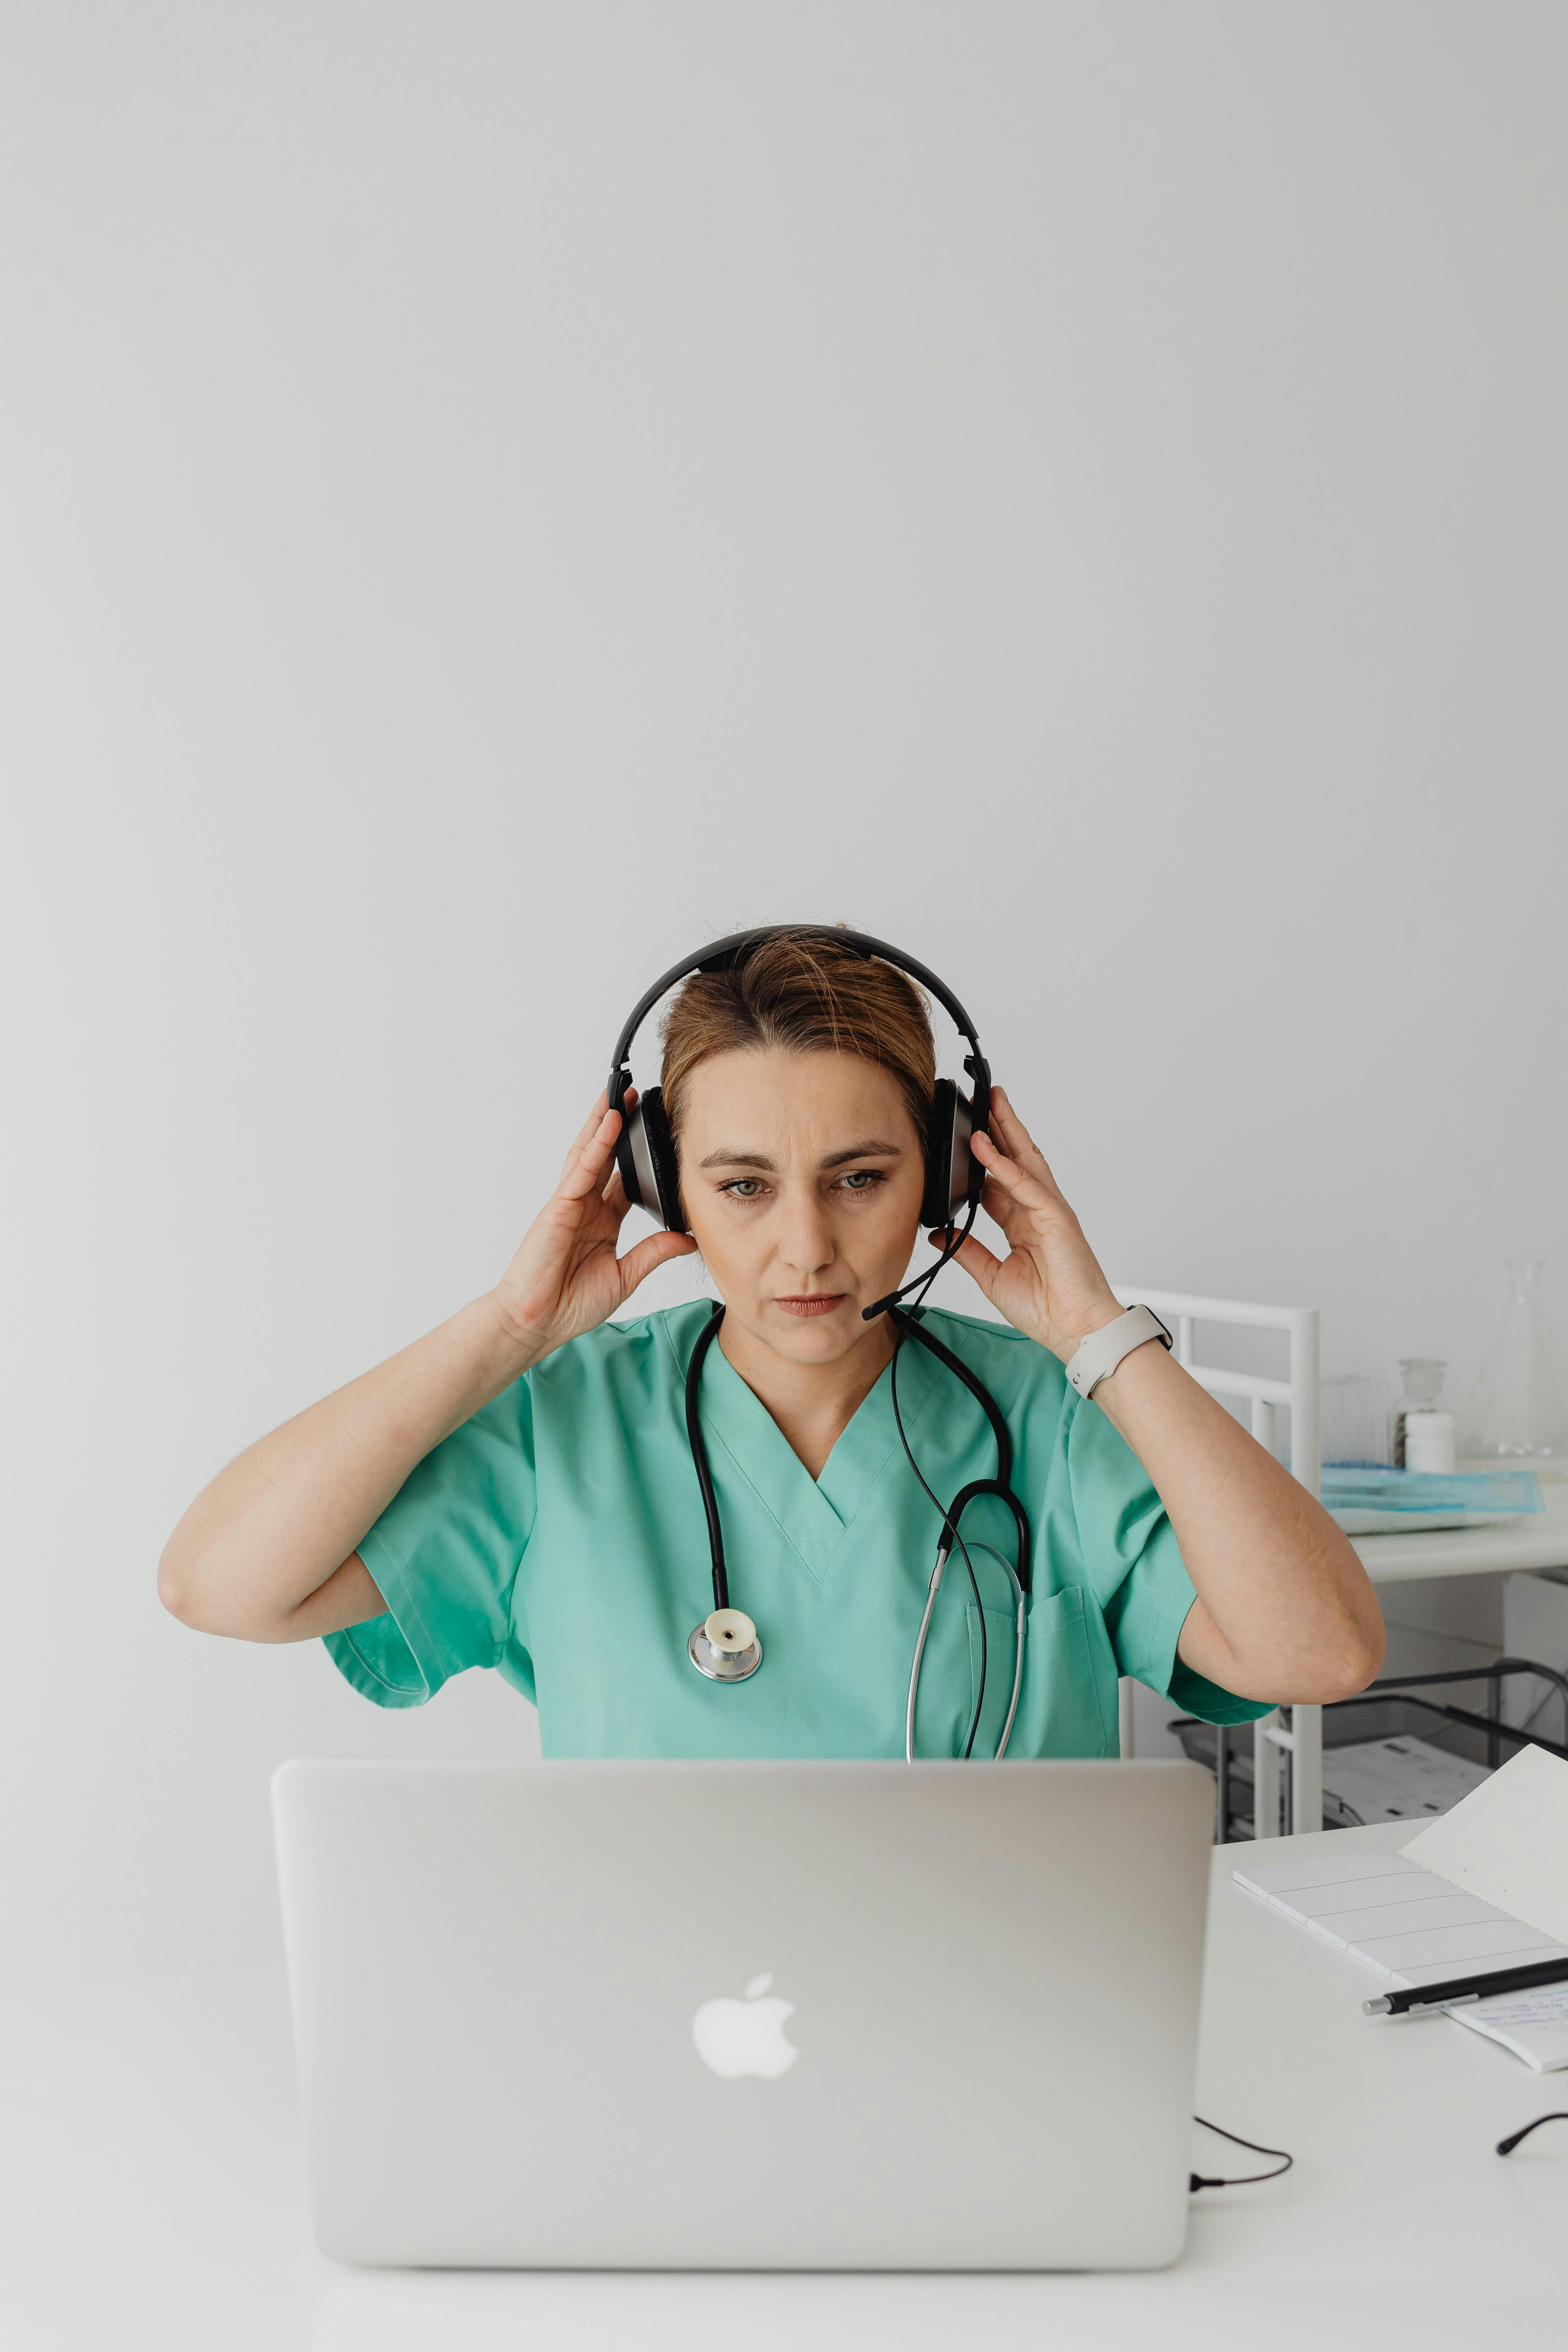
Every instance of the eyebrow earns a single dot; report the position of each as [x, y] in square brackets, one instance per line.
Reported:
[872, 1151]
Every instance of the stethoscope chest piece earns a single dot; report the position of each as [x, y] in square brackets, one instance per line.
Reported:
[725, 1646]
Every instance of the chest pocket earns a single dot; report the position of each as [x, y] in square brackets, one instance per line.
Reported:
[1062, 1710]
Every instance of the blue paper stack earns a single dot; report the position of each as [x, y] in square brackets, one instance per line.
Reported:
[1366, 1502]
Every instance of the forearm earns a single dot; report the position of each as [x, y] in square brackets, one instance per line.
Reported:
[252, 1555]
[1285, 1610]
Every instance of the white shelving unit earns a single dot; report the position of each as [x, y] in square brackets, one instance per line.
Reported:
[1300, 1737]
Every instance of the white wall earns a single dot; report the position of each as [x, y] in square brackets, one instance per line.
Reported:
[494, 494]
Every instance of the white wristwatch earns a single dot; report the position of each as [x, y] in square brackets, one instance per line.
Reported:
[1097, 1357]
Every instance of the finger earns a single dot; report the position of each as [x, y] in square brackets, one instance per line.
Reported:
[1002, 1103]
[1025, 1186]
[639, 1263]
[585, 1170]
[994, 1153]
[1001, 1207]
[594, 1121]
[1015, 1139]
[978, 1262]
[614, 1196]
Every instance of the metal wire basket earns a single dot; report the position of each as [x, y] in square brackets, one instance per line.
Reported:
[1391, 1713]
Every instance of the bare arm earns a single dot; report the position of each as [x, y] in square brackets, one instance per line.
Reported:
[1284, 1608]
[267, 1552]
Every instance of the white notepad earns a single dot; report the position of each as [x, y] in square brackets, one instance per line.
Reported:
[1416, 1928]
[1508, 1841]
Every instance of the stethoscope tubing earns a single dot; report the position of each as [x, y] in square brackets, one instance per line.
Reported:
[698, 1444]
[1000, 1487]
[960, 1503]
[1021, 1636]
[920, 1652]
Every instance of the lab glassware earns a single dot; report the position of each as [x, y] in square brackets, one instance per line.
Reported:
[1421, 1390]
[1355, 1421]
[1518, 1407]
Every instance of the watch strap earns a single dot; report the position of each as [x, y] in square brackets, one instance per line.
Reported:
[1097, 1357]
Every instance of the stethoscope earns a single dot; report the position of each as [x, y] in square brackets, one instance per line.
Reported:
[727, 1648]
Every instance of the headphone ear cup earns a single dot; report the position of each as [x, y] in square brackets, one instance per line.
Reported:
[631, 1159]
[950, 1171]
[645, 1154]
[966, 1178]
[937, 1201]
[637, 1179]
[662, 1162]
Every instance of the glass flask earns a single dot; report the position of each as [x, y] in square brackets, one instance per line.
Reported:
[1421, 1390]
[1518, 1408]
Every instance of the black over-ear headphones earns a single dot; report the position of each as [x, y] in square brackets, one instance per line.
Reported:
[644, 1150]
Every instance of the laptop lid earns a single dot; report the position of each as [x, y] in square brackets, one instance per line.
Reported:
[746, 2015]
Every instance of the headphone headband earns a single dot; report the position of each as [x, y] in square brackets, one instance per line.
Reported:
[723, 954]
[646, 1151]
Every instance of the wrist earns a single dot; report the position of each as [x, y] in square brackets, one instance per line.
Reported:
[511, 1345]
[1099, 1355]
[1067, 1337]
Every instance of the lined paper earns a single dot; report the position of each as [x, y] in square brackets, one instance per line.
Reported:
[1416, 1928]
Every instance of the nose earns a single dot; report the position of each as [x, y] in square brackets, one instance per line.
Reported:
[806, 1243]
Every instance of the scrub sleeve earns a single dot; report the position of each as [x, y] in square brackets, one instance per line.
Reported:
[445, 1555]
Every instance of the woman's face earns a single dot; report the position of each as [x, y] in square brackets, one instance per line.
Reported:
[802, 1176]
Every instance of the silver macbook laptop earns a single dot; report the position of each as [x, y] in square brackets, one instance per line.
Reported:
[747, 2016]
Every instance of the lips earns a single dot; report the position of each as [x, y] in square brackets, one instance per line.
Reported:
[808, 1306]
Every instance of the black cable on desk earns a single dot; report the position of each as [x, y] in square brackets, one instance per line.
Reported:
[1196, 2180]
[1506, 2146]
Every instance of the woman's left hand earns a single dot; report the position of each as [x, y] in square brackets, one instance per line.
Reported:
[1050, 1284]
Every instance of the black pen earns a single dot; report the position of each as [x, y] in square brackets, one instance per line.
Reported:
[1416, 2000]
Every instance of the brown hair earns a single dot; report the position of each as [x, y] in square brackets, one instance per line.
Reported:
[803, 992]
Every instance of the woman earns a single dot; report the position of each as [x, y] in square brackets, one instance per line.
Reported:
[517, 1489]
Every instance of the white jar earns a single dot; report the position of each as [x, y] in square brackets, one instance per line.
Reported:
[1429, 1441]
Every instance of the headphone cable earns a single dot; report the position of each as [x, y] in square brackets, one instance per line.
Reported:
[921, 1283]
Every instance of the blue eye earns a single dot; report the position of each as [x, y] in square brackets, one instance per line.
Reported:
[743, 1188]
[861, 1180]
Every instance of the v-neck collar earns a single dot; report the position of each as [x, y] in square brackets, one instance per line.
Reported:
[813, 1515]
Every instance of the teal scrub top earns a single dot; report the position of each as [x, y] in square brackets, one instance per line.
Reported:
[559, 1537]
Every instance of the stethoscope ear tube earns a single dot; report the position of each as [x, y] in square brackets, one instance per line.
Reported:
[931, 1591]
[1023, 1635]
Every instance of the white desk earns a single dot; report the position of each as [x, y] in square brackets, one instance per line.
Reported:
[152, 2196]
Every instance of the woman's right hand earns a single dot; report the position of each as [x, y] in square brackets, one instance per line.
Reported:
[566, 1277]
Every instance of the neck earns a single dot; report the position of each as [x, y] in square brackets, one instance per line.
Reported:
[812, 1403]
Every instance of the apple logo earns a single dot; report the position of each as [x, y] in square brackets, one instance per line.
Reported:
[745, 2037]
